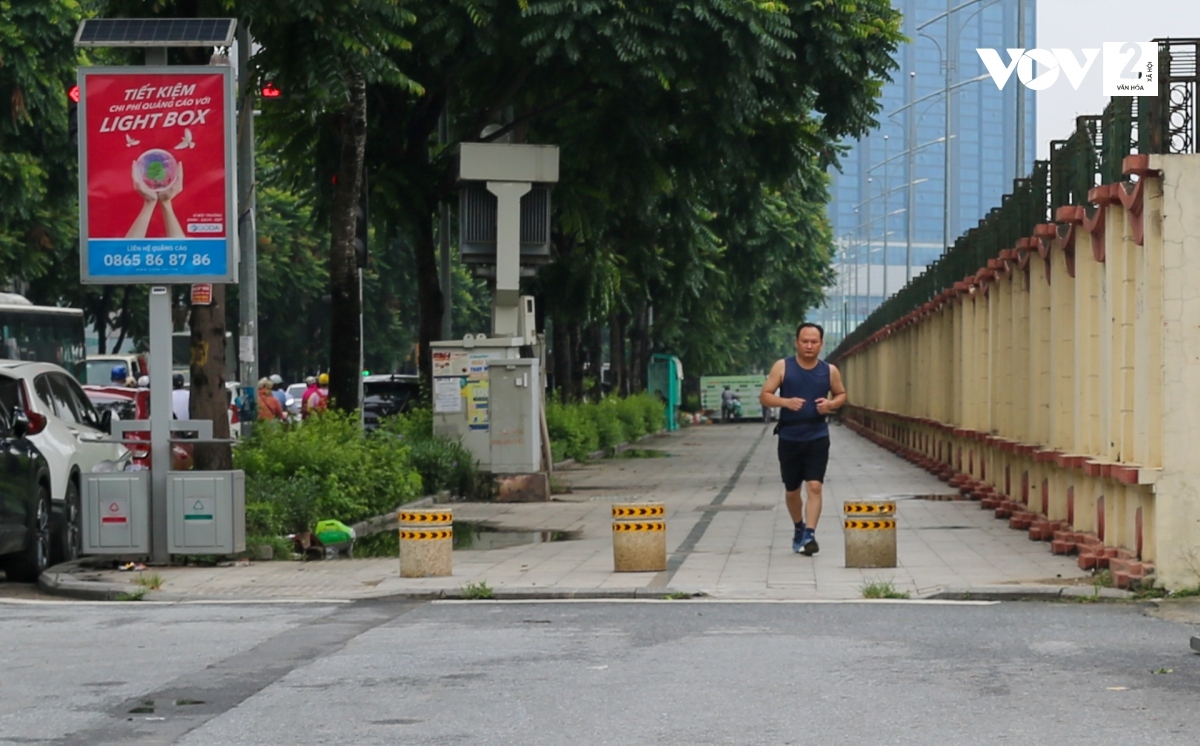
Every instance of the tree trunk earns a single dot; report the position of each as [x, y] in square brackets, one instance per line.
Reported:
[123, 320]
[345, 368]
[102, 314]
[595, 341]
[616, 353]
[207, 400]
[561, 342]
[429, 296]
[639, 345]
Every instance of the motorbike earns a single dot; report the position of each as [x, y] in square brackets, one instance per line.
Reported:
[733, 411]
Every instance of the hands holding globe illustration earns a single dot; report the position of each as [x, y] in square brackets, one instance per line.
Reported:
[158, 179]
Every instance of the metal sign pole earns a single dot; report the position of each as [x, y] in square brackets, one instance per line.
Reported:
[247, 232]
[160, 397]
[160, 418]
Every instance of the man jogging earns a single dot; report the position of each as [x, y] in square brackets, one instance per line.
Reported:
[804, 383]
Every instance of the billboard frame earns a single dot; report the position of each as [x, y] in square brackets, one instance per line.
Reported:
[232, 249]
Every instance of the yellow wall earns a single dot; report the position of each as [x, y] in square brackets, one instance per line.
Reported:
[1086, 387]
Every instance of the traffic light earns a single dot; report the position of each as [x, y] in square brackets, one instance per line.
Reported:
[361, 225]
[73, 115]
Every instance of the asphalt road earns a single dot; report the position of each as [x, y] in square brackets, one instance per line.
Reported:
[594, 673]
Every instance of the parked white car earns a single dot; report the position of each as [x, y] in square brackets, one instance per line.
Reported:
[69, 432]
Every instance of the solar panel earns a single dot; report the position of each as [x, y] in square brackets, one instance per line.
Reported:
[156, 32]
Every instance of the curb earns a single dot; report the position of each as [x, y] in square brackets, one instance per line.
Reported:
[1028, 593]
[540, 594]
[60, 580]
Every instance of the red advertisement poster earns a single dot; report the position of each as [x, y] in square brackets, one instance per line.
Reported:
[157, 191]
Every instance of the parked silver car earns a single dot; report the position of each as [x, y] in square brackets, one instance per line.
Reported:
[70, 433]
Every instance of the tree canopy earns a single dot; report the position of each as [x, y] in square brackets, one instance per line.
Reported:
[694, 140]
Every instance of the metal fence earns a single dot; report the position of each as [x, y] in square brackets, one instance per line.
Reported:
[1091, 156]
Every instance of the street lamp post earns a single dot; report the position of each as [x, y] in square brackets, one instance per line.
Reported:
[951, 66]
[1020, 170]
[870, 182]
[886, 193]
[910, 137]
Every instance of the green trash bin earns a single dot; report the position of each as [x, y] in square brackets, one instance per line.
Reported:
[664, 378]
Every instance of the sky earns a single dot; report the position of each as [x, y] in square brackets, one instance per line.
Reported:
[1080, 24]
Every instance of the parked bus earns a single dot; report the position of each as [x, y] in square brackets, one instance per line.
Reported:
[46, 334]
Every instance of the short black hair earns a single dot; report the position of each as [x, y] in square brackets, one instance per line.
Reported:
[820, 331]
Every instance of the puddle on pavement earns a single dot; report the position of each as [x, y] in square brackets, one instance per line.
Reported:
[467, 535]
[479, 536]
[147, 706]
[642, 453]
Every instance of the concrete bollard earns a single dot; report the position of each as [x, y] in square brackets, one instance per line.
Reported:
[426, 543]
[870, 531]
[639, 537]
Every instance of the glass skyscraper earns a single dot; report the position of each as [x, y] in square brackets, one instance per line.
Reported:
[878, 226]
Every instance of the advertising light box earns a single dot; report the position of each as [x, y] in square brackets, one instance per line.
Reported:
[156, 175]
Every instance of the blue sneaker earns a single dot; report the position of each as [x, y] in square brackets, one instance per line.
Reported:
[798, 539]
[808, 543]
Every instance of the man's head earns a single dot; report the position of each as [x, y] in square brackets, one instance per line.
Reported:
[809, 338]
[323, 379]
[177, 381]
[311, 380]
[276, 381]
[119, 374]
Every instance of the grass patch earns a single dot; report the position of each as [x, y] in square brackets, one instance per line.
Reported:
[882, 589]
[281, 548]
[382, 544]
[1186, 592]
[678, 596]
[477, 591]
[559, 486]
[134, 595]
[1103, 579]
[151, 582]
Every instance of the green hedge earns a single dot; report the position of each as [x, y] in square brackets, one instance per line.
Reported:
[577, 430]
[443, 464]
[327, 467]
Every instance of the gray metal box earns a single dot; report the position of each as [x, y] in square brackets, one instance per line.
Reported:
[206, 512]
[516, 432]
[115, 508]
[490, 161]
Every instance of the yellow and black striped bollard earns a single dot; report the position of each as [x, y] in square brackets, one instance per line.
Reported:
[870, 530]
[639, 537]
[426, 542]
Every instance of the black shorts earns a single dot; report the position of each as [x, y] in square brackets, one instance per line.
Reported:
[803, 461]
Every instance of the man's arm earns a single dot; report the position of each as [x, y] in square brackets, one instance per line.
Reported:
[825, 406]
[767, 396]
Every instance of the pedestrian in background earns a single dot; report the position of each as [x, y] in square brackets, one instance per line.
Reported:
[269, 407]
[318, 401]
[279, 390]
[181, 398]
[308, 392]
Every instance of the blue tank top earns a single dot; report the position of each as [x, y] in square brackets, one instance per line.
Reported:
[808, 385]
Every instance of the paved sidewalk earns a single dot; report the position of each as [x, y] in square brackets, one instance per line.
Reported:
[728, 536]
